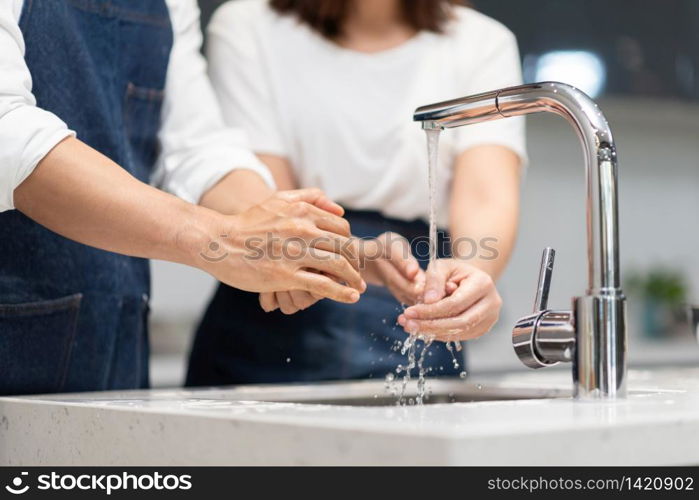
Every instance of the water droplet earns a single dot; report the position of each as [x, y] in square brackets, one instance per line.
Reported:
[288, 360]
[463, 375]
[479, 387]
[390, 377]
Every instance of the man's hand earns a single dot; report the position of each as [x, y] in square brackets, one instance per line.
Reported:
[294, 241]
[294, 301]
[460, 302]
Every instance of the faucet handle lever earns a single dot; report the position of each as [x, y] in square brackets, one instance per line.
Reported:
[544, 284]
[544, 337]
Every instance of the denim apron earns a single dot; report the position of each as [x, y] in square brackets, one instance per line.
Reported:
[74, 318]
[238, 343]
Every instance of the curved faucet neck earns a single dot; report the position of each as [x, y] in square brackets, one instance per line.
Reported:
[596, 139]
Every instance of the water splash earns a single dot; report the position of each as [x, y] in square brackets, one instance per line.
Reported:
[453, 348]
[422, 372]
[415, 347]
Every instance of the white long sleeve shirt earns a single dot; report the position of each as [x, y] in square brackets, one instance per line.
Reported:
[196, 148]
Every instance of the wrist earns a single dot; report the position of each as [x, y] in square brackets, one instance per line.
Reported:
[489, 267]
[197, 234]
[368, 249]
[369, 254]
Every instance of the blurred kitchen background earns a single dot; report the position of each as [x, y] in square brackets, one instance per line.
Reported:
[640, 60]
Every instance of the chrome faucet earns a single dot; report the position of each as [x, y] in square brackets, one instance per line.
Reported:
[593, 334]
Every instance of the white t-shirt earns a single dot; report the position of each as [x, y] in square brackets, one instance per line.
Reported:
[344, 118]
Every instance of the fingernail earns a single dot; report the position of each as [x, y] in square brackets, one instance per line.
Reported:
[431, 296]
[364, 286]
[401, 320]
[354, 296]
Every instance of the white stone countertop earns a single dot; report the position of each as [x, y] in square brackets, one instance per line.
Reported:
[658, 424]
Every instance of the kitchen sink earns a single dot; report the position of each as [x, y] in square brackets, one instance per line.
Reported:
[374, 393]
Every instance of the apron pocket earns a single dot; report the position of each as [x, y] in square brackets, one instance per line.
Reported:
[35, 343]
[142, 108]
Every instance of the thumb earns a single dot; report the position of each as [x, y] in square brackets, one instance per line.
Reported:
[435, 283]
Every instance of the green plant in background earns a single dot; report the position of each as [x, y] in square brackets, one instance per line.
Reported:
[665, 286]
[662, 293]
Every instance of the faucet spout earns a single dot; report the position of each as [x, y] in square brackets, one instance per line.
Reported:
[598, 317]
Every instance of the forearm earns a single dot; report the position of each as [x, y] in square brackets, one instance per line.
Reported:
[243, 188]
[484, 208]
[236, 192]
[282, 171]
[82, 195]
[485, 234]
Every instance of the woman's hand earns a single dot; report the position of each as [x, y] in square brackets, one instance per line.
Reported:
[388, 261]
[294, 241]
[288, 302]
[460, 302]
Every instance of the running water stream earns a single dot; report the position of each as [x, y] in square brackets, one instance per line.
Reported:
[432, 165]
[417, 345]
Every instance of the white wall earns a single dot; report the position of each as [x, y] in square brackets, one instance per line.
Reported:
[658, 145]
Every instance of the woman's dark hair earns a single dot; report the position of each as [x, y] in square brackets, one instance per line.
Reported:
[326, 16]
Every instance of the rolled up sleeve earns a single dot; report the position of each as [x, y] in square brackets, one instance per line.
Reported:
[27, 133]
[197, 148]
